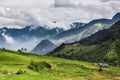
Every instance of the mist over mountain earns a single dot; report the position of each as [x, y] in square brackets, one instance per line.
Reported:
[88, 29]
[2, 40]
[61, 21]
[12, 37]
[103, 35]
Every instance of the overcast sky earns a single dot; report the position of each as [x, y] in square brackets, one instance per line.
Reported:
[19, 13]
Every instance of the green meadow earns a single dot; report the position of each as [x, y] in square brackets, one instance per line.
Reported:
[61, 69]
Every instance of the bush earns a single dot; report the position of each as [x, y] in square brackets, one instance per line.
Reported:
[38, 66]
[20, 72]
[100, 69]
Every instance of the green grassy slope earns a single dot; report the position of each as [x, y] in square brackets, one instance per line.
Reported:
[61, 69]
[106, 52]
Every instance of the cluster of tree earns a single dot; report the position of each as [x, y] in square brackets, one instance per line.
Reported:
[22, 50]
[38, 66]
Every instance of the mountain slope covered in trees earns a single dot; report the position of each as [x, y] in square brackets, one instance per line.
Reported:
[105, 48]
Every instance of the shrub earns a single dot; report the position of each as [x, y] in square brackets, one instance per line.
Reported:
[38, 66]
[20, 72]
[100, 69]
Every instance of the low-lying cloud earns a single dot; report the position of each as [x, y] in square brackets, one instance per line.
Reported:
[9, 39]
[63, 13]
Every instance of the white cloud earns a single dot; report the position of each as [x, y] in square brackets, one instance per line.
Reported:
[9, 39]
[26, 3]
[63, 3]
[39, 12]
[108, 0]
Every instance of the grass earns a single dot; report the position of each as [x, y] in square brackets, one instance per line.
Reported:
[61, 69]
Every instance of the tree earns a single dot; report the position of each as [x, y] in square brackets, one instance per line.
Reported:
[100, 69]
[19, 50]
[3, 49]
[23, 49]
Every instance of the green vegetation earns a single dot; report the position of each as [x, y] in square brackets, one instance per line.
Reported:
[38, 66]
[108, 52]
[26, 66]
[50, 68]
[103, 48]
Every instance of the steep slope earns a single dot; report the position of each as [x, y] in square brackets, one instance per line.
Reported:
[77, 27]
[103, 35]
[44, 47]
[108, 49]
[116, 17]
[88, 29]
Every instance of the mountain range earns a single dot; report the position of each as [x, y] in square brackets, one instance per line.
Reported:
[28, 32]
[17, 38]
[77, 32]
[87, 29]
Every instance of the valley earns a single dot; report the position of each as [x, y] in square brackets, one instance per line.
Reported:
[59, 39]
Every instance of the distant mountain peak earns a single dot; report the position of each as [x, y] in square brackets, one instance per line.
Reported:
[44, 47]
[116, 16]
[45, 41]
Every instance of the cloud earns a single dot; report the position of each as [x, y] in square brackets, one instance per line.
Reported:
[21, 18]
[108, 0]
[26, 3]
[15, 17]
[101, 10]
[63, 3]
[64, 13]
[9, 39]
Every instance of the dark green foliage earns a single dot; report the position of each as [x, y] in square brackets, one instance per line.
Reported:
[100, 69]
[104, 35]
[18, 52]
[108, 52]
[20, 72]
[2, 49]
[38, 66]
[22, 50]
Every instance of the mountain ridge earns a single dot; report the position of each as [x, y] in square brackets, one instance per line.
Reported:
[104, 23]
[103, 35]
[107, 50]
